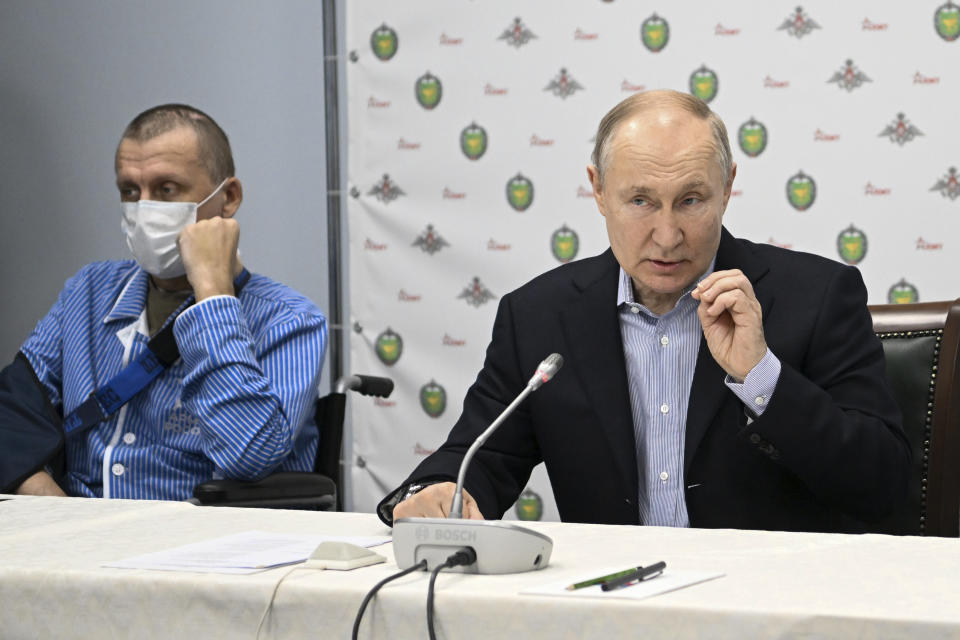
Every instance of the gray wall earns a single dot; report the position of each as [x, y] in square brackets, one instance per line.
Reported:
[72, 74]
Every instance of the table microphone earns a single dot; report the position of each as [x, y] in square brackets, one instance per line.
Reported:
[501, 547]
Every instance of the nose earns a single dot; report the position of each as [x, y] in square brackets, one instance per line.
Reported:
[666, 233]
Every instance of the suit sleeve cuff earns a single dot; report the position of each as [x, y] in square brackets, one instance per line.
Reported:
[758, 387]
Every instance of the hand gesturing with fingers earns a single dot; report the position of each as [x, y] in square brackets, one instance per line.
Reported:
[732, 321]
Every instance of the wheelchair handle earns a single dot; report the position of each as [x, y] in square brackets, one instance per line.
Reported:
[365, 385]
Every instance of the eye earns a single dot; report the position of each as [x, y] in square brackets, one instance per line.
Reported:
[690, 201]
[129, 194]
[638, 201]
[168, 189]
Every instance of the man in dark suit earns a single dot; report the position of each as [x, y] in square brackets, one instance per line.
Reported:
[709, 381]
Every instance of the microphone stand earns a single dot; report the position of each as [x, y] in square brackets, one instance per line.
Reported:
[501, 547]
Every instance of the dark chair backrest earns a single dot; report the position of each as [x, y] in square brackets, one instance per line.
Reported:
[921, 343]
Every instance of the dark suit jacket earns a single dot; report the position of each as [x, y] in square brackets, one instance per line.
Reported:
[828, 453]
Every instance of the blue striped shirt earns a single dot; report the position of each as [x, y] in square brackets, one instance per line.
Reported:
[661, 355]
[237, 404]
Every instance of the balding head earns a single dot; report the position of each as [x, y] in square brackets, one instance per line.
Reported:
[667, 101]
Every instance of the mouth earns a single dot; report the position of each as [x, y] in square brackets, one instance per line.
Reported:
[666, 266]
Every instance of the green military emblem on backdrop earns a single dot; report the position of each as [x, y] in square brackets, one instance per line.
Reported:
[433, 399]
[753, 137]
[384, 42]
[903, 293]
[801, 191]
[655, 33]
[852, 245]
[564, 243]
[529, 506]
[429, 90]
[947, 21]
[473, 141]
[520, 192]
[389, 347]
[704, 84]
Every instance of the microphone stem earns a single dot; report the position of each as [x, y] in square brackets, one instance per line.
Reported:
[456, 507]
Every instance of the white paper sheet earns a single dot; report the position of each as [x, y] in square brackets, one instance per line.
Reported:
[245, 552]
[669, 580]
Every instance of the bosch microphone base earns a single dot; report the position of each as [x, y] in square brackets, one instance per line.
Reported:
[501, 547]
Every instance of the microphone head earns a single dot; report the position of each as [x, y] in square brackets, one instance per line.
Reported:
[547, 369]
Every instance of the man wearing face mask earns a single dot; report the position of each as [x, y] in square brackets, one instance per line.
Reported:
[236, 399]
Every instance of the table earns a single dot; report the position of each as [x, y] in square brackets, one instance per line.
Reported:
[777, 585]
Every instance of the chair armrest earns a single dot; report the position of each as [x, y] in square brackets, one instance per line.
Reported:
[287, 487]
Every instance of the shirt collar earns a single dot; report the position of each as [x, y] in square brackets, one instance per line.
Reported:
[625, 288]
[132, 299]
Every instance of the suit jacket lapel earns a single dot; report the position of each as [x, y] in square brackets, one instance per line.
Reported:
[592, 330]
[708, 391]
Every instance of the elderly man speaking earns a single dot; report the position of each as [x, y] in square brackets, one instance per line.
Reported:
[709, 381]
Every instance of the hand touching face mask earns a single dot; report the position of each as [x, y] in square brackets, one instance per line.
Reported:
[152, 227]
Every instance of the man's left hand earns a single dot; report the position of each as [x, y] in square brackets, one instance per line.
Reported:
[209, 252]
[732, 321]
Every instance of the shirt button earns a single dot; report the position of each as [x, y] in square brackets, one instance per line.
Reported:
[760, 400]
[664, 340]
[129, 438]
[117, 469]
[664, 475]
[634, 308]
[755, 438]
[664, 408]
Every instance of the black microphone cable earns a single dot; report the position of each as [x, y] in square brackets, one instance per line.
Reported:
[366, 600]
[464, 557]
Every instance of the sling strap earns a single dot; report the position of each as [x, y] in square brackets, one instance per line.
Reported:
[160, 354]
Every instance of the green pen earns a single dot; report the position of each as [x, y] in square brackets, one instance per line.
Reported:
[601, 579]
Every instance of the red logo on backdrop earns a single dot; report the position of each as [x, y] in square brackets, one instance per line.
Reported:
[382, 402]
[721, 30]
[923, 245]
[584, 193]
[770, 83]
[536, 141]
[447, 40]
[782, 245]
[490, 90]
[822, 136]
[449, 341]
[420, 450]
[453, 195]
[403, 296]
[580, 34]
[493, 245]
[403, 144]
[871, 190]
[373, 103]
[628, 87]
[736, 193]
[919, 78]
[874, 26]
[370, 245]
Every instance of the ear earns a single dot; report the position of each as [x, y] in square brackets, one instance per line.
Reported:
[593, 174]
[233, 196]
[729, 188]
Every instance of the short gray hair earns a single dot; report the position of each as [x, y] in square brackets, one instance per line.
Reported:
[639, 102]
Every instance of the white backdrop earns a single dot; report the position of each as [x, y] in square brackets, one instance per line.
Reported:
[471, 124]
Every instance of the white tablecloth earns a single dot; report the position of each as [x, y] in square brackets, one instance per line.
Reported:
[776, 585]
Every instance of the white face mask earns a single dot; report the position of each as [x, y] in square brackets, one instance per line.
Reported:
[152, 228]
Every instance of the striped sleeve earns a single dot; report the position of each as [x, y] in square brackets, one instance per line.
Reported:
[251, 395]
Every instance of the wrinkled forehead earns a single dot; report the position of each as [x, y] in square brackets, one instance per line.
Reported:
[174, 150]
[664, 142]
